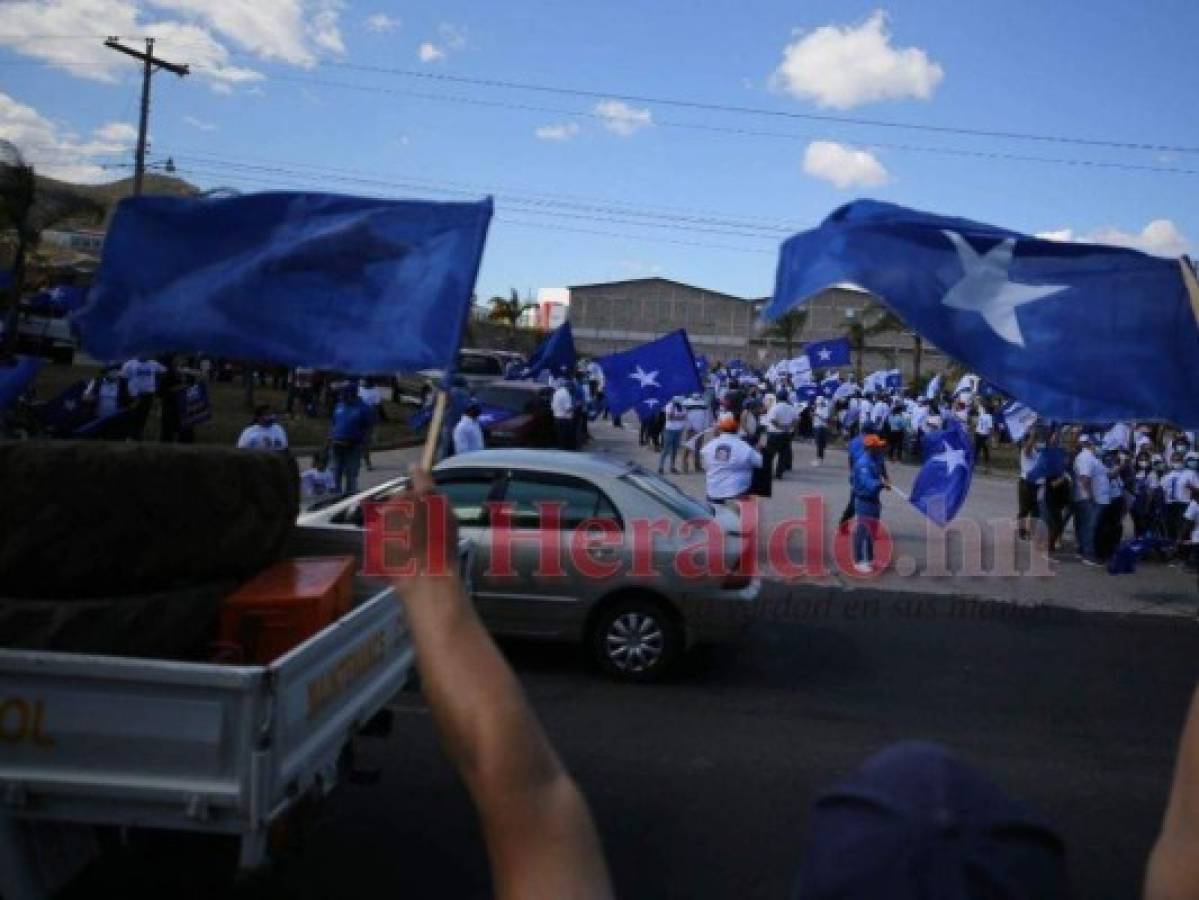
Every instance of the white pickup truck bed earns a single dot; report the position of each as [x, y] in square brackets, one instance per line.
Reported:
[96, 740]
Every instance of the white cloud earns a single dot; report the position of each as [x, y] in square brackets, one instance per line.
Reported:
[58, 152]
[199, 123]
[557, 132]
[844, 166]
[846, 66]
[381, 23]
[1160, 237]
[430, 52]
[197, 32]
[620, 118]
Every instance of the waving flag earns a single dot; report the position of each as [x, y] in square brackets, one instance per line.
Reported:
[1039, 319]
[934, 387]
[829, 386]
[343, 283]
[1018, 418]
[943, 481]
[648, 376]
[15, 376]
[828, 353]
[555, 353]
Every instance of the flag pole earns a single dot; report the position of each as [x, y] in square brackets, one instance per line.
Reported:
[428, 455]
[1191, 282]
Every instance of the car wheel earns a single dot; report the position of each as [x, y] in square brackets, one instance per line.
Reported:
[635, 640]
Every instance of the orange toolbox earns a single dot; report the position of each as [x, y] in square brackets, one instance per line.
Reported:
[285, 605]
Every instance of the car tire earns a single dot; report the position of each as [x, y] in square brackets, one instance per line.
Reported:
[97, 519]
[635, 639]
[177, 625]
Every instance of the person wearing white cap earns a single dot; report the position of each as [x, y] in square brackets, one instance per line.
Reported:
[729, 462]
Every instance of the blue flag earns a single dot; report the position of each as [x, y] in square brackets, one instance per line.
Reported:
[555, 353]
[943, 481]
[1079, 332]
[332, 282]
[829, 386]
[823, 354]
[15, 376]
[651, 374]
[702, 367]
[808, 392]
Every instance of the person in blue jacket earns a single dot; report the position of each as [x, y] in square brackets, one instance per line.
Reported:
[869, 481]
[352, 423]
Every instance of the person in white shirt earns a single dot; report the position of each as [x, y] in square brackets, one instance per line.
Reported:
[820, 425]
[780, 427]
[1176, 487]
[729, 462]
[984, 425]
[265, 434]
[879, 413]
[672, 434]
[107, 393]
[318, 481]
[468, 434]
[141, 375]
[562, 405]
[1087, 471]
[1190, 517]
[699, 420]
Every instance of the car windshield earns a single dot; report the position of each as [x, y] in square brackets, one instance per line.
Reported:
[666, 493]
[513, 399]
[474, 364]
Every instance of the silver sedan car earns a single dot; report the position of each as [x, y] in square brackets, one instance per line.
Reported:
[622, 561]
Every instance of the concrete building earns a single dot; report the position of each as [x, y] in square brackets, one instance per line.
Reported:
[618, 315]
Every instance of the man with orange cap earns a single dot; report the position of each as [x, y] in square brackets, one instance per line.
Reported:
[869, 481]
[729, 462]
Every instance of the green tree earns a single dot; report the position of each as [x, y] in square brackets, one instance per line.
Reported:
[787, 328]
[508, 310]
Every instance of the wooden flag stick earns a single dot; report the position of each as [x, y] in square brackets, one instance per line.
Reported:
[428, 455]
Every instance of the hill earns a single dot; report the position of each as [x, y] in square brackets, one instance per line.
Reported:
[108, 195]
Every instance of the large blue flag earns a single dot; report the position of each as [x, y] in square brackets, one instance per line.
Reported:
[943, 481]
[333, 282]
[15, 376]
[1079, 332]
[649, 375]
[555, 353]
[823, 354]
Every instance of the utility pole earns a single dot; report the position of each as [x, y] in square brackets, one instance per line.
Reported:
[150, 64]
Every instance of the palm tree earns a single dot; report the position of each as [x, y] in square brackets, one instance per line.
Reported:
[788, 327]
[884, 321]
[508, 310]
[27, 209]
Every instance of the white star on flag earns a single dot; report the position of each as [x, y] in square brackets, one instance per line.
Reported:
[825, 354]
[984, 287]
[644, 378]
[952, 458]
[650, 402]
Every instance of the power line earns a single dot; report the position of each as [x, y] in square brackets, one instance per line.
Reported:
[724, 129]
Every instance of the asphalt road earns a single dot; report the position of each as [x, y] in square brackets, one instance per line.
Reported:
[701, 784]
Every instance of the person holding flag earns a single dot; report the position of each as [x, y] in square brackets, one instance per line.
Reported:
[869, 481]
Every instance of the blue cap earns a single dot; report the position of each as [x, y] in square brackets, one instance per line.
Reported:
[915, 823]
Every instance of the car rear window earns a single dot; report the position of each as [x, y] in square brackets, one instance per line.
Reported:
[478, 365]
[510, 398]
[667, 493]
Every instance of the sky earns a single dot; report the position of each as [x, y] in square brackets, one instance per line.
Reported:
[625, 139]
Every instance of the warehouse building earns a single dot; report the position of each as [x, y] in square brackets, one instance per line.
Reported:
[617, 315]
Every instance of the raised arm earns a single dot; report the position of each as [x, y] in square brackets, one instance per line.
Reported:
[541, 840]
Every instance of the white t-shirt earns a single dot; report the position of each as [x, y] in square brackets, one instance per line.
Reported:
[729, 463]
[317, 483]
[919, 417]
[879, 413]
[468, 436]
[1176, 485]
[371, 396]
[676, 417]
[1117, 436]
[142, 375]
[1191, 514]
[781, 418]
[985, 424]
[698, 418]
[107, 394]
[273, 437]
[562, 404]
[820, 413]
[1086, 465]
